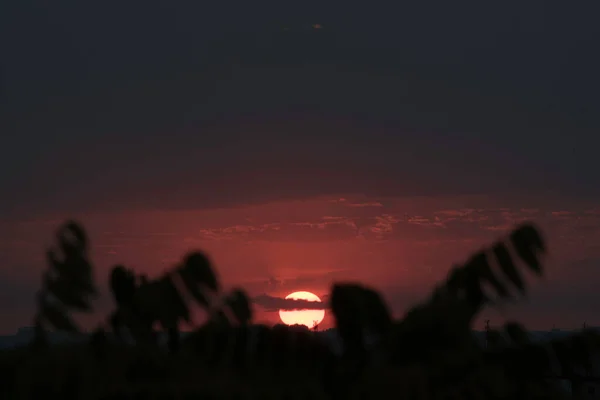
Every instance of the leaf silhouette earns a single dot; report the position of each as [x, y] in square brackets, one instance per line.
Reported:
[377, 311]
[148, 301]
[456, 280]
[171, 304]
[434, 338]
[239, 304]
[58, 318]
[508, 267]
[68, 280]
[76, 269]
[197, 271]
[348, 309]
[72, 238]
[69, 295]
[122, 285]
[474, 291]
[199, 267]
[516, 333]
[73, 243]
[528, 242]
[481, 265]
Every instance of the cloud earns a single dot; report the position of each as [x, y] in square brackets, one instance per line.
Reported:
[319, 221]
[271, 303]
[303, 280]
[273, 282]
[360, 205]
[399, 299]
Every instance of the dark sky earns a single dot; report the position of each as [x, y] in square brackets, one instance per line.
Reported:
[144, 96]
[128, 106]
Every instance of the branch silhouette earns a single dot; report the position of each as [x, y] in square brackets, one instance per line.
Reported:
[431, 351]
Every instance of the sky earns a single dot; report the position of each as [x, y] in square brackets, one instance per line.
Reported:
[383, 147]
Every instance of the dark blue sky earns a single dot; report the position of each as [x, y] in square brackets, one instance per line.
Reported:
[187, 104]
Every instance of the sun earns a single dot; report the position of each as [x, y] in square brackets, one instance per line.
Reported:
[309, 318]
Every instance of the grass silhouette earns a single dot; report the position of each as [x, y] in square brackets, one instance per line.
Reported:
[429, 353]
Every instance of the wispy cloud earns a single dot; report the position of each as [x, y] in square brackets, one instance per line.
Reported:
[368, 204]
[271, 303]
[351, 218]
[356, 204]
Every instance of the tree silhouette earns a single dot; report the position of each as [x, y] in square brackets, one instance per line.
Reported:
[430, 351]
[67, 284]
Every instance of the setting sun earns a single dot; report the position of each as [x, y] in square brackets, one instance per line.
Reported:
[309, 318]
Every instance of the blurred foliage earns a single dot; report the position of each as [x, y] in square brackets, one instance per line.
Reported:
[431, 352]
[68, 282]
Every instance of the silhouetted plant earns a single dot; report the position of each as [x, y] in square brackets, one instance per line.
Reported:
[241, 348]
[99, 343]
[451, 309]
[239, 305]
[67, 284]
[315, 326]
[262, 352]
[141, 305]
[430, 349]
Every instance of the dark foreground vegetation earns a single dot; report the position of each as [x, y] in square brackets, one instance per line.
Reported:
[429, 354]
